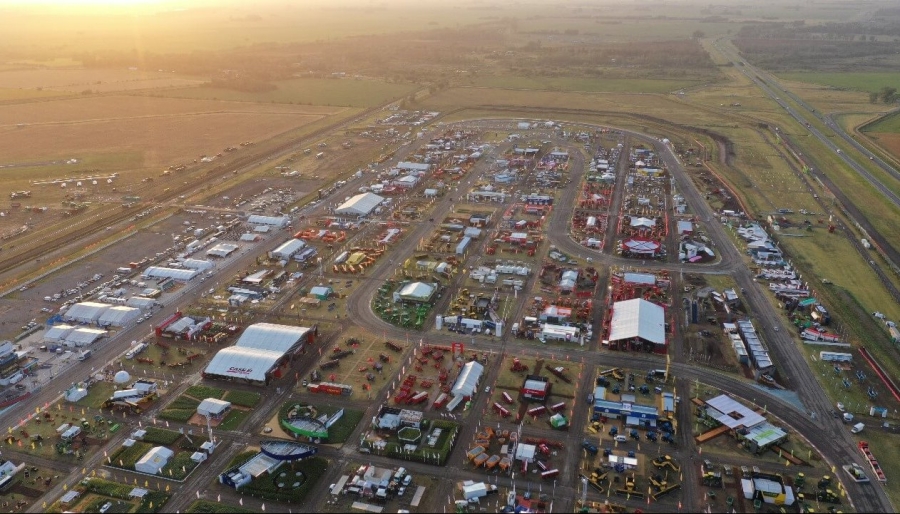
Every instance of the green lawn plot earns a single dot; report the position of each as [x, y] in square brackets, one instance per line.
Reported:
[178, 467]
[98, 393]
[233, 419]
[889, 123]
[161, 436]
[389, 445]
[355, 363]
[95, 492]
[593, 85]
[329, 92]
[247, 399]
[289, 483]
[202, 392]
[38, 435]
[210, 507]
[181, 409]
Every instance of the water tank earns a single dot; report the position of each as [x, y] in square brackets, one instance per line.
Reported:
[122, 377]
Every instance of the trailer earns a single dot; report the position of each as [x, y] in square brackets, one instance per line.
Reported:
[507, 398]
[501, 410]
[418, 398]
[550, 473]
[536, 411]
[558, 407]
[441, 400]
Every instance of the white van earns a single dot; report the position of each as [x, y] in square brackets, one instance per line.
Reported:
[621, 438]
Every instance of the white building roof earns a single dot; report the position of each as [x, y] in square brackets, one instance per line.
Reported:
[640, 278]
[360, 205]
[179, 274]
[141, 302]
[272, 337]
[638, 318]
[154, 460]
[83, 336]
[249, 238]
[198, 264]
[413, 166]
[222, 250]
[58, 332]
[86, 312]
[246, 363]
[212, 407]
[732, 413]
[468, 379]
[288, 248]
[119, 315]
[274, 221]
[643, 222]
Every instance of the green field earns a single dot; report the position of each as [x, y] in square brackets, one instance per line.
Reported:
[859, 81]
[591, 85]
[337, 92]
[889, 124]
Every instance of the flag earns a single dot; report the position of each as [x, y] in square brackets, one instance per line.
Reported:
[198, 494]
[151, 505]
[679, 505]
[219, 498]
[167, 487]
[263, 507]
[241, 501]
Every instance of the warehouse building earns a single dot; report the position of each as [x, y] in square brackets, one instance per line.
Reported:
[637, 325]
[118, 316]
[287, 249]
[179, 274]
[270, 221]
[360, 205]
[85, 312]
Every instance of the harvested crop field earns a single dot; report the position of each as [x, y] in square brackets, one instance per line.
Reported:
[888, 141]
[80, 79]
[163, 130]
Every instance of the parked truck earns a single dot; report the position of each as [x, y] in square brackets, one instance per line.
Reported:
[478, 490]
[857, 428]
[85, 355]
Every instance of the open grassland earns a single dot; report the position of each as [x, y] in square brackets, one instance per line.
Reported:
[81, 79]
[583, 84]
[889, 124]
[163, 130]
[340, 92]
[15, 94]
[858, 81]
[92, 108]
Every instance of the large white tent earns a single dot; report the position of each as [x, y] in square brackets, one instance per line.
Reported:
[246, 363]
[182, 275]
[119, 316]
[198, 264]
[258, 351]
[287, 249]
[141, 302]
[468, 379]
[83, 336]
[273, 337]
[58, 332]
[154, 460]
[85, 312]
[638, 318]
[222, 250]
[360, 205]
[272, 221]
